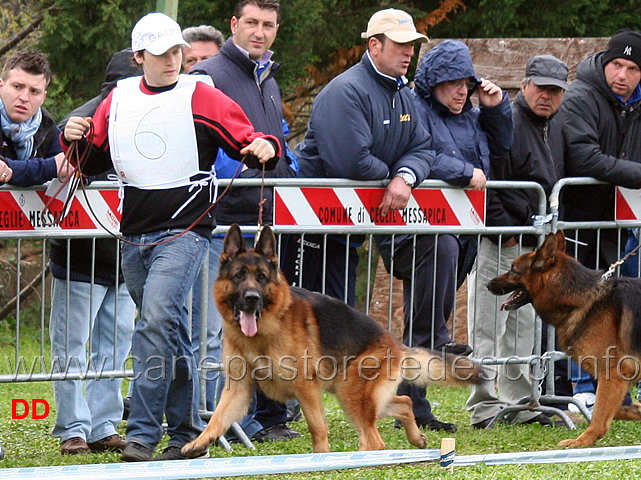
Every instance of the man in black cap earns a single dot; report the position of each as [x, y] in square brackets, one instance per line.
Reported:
[602, 128]
[536, 155]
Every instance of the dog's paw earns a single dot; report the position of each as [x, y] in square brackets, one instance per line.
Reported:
[563, 443]
[194, 449]
[575, 442]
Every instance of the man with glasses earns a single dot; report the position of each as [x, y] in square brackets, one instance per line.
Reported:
[464, 138]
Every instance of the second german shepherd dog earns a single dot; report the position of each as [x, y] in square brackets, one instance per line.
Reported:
[292, 343]
[598, 324]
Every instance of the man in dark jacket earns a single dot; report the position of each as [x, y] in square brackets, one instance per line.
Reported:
[30, 152]
[245, 72]
[536, 155]
[601, 118]
[465, 139]
[365, 126]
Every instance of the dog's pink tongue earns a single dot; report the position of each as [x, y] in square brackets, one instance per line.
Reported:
[248, 324]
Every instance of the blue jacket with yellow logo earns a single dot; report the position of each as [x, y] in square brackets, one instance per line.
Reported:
[364, 126]
[466, 140]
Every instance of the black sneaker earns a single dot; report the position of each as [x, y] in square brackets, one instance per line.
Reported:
[541, 418]
[276, 433]
[455, 348]
[431, 425]
[173, 452]
[437, 425]
[135, 452]
[484, 423]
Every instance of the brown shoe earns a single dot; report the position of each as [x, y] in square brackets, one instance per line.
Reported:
[112, 443]
[74, 446]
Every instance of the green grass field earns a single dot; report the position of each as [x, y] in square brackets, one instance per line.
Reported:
[29, 442]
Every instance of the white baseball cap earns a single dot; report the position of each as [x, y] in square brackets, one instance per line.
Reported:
[156, 33]
[397, 25]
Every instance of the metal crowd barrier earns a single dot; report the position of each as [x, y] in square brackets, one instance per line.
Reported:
[546, 221]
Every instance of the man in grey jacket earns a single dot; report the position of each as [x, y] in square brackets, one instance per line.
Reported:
[536, 155]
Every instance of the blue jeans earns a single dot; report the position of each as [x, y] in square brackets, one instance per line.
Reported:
[213, 379]
[103, 315]
[165, 374]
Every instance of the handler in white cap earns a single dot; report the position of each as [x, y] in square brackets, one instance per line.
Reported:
[162, 132]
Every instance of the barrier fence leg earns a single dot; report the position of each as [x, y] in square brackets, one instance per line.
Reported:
[448, 446]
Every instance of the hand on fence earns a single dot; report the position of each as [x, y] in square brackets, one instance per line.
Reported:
[64, 168]
[5, 172]
[478, 180]
[396, 196]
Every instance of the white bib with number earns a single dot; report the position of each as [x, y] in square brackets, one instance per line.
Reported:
[152, 138]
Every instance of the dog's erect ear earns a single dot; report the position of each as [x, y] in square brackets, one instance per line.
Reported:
[234, 243]
[546, 253]
[560, 241]
[266, 244]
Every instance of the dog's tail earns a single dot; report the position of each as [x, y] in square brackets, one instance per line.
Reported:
[426, 367]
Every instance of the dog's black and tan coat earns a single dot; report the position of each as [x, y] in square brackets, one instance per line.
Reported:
[598, 324]
[292, 343]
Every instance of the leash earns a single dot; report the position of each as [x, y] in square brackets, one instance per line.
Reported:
[75, 178]
[261, 203]
[608, 274]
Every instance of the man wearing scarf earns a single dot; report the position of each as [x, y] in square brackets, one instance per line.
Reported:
[29, 145]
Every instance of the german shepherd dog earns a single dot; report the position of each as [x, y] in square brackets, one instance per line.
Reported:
[292, 343]
[598, 324]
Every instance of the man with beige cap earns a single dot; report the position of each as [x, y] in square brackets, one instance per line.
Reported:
[365, 126]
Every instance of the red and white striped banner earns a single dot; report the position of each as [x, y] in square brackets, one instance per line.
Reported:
[627, 204]
[22, 210]
[314, 206]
